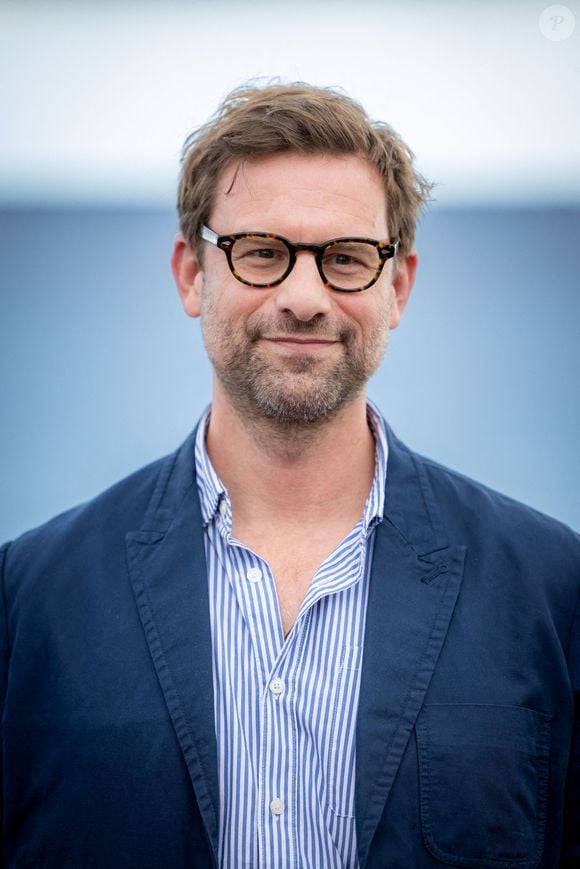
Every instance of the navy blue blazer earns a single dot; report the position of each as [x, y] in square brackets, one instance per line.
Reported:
[465, 753]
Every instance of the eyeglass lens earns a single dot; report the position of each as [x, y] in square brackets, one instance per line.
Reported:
[347, 265]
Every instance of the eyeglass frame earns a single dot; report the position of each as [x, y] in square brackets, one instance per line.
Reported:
[386, 251]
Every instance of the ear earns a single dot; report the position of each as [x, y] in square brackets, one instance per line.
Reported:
[402, 286]
[188, 276]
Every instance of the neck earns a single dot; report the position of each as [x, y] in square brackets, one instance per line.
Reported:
[293, 473]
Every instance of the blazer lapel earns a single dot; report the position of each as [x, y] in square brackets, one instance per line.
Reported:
[166, 562]
[415, 581]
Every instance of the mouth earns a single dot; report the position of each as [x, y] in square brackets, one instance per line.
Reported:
[298, 339]
[303, 344]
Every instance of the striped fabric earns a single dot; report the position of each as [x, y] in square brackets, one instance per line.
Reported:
[285, 709]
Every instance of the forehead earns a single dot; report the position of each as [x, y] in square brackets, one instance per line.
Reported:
[301, 196]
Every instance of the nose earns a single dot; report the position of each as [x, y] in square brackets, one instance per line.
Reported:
[303, 292]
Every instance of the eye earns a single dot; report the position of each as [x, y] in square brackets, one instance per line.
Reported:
[350, 257]
[341, 259]
[259, 251]
[268, 253]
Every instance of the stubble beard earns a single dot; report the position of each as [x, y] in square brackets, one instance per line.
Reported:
[291, 391]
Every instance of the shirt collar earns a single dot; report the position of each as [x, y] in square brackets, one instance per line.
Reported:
[375, 502]
[212, 491]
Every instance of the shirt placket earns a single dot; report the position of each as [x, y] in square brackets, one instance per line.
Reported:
[275, 767]
[278, 664]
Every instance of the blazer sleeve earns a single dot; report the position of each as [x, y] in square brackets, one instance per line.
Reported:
[571, 845]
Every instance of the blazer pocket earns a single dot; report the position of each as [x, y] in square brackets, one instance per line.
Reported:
[483, 774]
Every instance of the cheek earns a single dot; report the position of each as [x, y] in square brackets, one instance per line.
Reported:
[370, 316]
[384, 309]
[227, 311]
[216, 299]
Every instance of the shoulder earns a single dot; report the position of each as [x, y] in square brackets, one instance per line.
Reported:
[89, 529]
[481, 500]
[490, 520]
[519, 563]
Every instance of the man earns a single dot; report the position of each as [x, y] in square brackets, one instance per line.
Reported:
[294, 643]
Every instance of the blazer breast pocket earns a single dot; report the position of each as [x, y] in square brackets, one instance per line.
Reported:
[483, 773]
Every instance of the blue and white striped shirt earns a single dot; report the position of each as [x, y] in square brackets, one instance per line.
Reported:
[285, 708]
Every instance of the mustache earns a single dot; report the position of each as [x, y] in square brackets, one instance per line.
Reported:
[290, 325]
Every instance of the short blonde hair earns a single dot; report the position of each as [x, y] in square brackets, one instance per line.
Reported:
[258, 121]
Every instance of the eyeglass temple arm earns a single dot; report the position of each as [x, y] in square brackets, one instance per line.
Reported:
[391, 250]
[209, 235]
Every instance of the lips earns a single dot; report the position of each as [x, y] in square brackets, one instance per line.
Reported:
[293, 339]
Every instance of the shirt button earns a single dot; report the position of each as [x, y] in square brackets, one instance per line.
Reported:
[223, 506]
[254, 574]
[277, 806]
[277, 687]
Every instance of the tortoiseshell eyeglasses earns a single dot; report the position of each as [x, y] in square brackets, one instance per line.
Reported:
[260, 259]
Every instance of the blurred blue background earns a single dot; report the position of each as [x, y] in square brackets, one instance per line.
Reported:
[100, 370]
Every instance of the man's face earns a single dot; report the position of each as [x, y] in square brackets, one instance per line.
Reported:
[297, 352]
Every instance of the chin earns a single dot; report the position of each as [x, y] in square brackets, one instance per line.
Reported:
[291, 408]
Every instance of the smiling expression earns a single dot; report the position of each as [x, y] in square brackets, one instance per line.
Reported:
[299, 351]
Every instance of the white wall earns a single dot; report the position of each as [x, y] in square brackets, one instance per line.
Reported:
[97, 97]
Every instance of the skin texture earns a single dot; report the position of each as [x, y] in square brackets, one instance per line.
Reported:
[293, 354]
[291, 362]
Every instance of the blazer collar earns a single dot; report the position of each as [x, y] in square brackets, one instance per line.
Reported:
[415, 581]
[166, 563]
